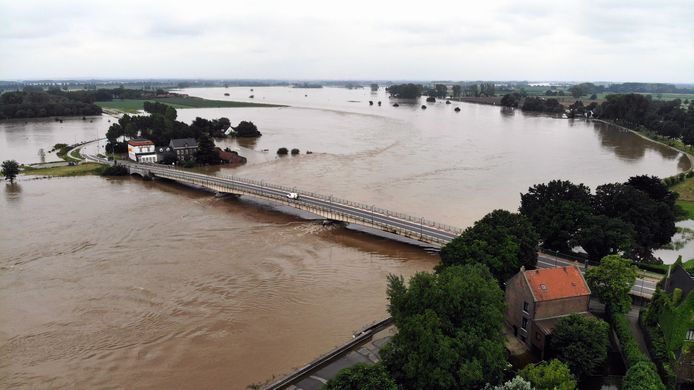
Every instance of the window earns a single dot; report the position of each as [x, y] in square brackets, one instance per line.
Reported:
[525, 307]
[524, 324]
[690, 334]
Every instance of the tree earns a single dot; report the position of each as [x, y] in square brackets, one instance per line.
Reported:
[449, 329]
[552, 375]
[601, 236]
[362, 376]
[247, 129]
[441, 90]
[374, 87]
[611, 282]
[642, 376]
[577, 91]
[282, 151]
[653, 221]
[457, 90]
[206, 154]
[10, 169]
[557, 210]
[580, 342]
[654, 188]
[405, 91]
[510, 100]
[501, 240]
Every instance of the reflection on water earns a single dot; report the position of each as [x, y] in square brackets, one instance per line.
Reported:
[12, 191]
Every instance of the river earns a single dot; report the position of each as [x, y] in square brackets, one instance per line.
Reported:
[123, 283]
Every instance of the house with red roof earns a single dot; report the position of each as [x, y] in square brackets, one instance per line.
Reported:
[537, 299]
[141, 150]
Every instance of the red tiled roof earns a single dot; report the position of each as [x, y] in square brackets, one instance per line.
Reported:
[556, 283]
[140, 142]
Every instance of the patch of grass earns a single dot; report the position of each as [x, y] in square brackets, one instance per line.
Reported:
[686, 191]
[135, 105]
[66, 171]
[688, 207]
[63, 154]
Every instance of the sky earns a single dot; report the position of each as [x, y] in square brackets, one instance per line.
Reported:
[540, 40]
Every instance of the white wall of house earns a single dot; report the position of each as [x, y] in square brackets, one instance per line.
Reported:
[133, 151]
[147, 158]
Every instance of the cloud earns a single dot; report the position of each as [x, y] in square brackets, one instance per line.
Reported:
[536, 39]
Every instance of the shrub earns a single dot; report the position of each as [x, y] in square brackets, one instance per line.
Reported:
[282, 151]
[362, 376]
[627, 342]
[115, 170]
[676, 296]
[642, 376]
[659, 352]
[188, 164]
[552, 375]
[295, 151]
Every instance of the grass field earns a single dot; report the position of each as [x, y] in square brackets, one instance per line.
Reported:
[135, 105]
[66, 171]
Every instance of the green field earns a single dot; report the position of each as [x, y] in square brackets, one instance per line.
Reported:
[135, 105]
[66, 171]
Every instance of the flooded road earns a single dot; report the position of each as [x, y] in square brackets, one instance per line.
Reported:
[121, 283]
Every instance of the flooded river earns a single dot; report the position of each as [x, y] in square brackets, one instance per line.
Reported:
[121, 283]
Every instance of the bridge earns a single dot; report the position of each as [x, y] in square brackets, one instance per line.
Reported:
[329, 207]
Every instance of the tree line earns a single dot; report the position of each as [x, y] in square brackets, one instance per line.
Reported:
[38, 104]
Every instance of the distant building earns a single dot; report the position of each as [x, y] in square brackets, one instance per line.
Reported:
[141, 150]
[536, 300]
[184, 148]
[231, 157]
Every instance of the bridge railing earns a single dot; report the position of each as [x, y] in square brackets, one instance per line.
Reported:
[286, 189]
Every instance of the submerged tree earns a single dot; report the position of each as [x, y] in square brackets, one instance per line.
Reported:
[10, 169]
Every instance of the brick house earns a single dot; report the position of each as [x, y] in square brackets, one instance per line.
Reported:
[536, 300]
[184, 148]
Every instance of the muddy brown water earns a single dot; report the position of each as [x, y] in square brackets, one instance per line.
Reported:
[121, 283]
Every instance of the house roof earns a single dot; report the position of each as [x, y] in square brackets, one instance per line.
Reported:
[556, 283]
[183, 143]
[140, 142]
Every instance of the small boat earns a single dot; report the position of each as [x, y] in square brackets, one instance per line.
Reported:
[226, 94]
[251, 97]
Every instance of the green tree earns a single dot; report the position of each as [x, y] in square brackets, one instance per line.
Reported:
[552, 375]
[501, 240]
[653, 221]
[247, 129]
[580, 342]
[457, 90]
[557, 210]
[642, 376]
[206, 154]
[10, 169]
[362, 376]
[601, 236]
[611, 282]
[449, 329]
[577, 91]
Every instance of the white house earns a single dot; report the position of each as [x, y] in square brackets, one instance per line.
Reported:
[142, 150]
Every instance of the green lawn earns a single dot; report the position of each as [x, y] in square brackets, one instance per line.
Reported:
[135, 105]
[688, 207]
[66, 171]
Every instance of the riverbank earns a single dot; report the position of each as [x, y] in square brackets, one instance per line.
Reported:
[65, 171]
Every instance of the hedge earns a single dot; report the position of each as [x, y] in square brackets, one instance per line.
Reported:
[655, 341]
